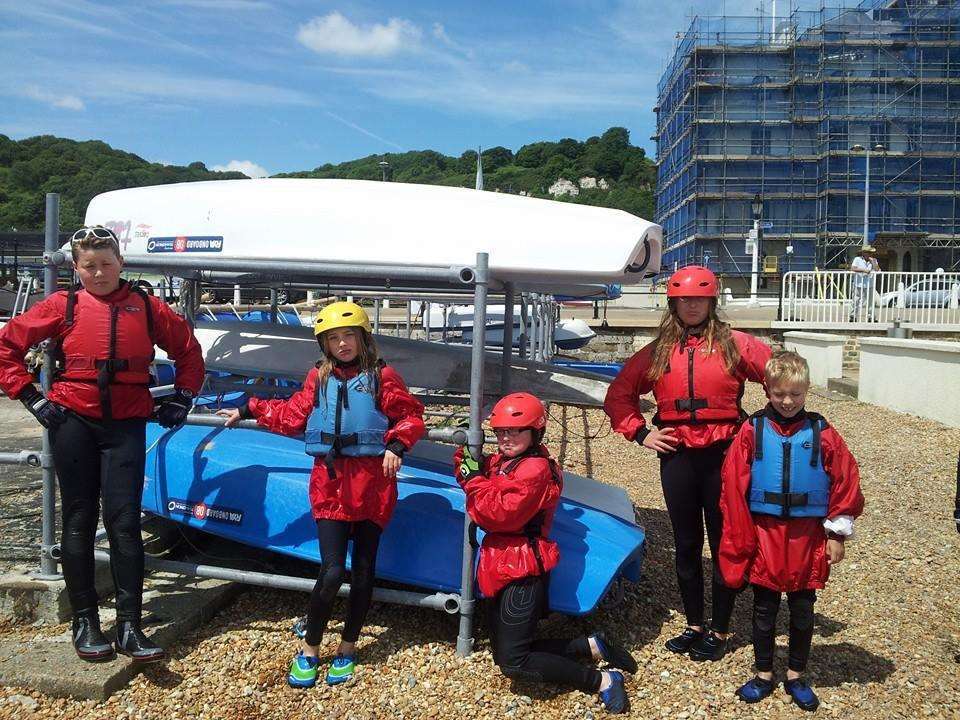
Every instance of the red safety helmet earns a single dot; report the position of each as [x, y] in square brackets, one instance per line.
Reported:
[518, 410]
[693, 281]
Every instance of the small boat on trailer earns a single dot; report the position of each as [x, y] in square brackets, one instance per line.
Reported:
[251, 486]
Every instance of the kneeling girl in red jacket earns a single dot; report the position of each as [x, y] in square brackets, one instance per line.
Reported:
[791, 490]
[512, 496]
[357, 418]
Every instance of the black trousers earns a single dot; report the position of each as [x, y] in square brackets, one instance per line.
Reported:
[333, 536]
[512, 618]
[691, 488]
[766, 604]
[101, 460]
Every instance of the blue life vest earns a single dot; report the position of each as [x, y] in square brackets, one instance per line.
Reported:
[346, 420]
[787, 478]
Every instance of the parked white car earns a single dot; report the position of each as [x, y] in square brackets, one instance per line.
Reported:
[930, 292]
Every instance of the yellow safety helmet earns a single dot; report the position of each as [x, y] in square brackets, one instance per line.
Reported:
[341, 315]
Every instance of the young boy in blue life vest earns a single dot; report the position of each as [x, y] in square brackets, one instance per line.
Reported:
[512, 496]
[790, 493]
[358, 419]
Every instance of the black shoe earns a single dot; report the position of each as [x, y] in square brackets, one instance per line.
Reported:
[132, 642]
[88, 640]
[613, 654]
[682, 642]
[708, 647]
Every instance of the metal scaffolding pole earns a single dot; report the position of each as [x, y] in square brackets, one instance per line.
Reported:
[51, 241]
[445, 602]
[467, 601]
[454, 275]
[507, 339]
[524, 330]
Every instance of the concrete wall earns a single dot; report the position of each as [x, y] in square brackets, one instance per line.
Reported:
[822, 351]
[921, 377]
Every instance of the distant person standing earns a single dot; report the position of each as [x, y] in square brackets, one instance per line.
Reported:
[864, 266]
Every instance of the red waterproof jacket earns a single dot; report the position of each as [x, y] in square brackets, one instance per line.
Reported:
[88, 340]
[510, 498]
[360, 490]
[784, 554]
[696, 395]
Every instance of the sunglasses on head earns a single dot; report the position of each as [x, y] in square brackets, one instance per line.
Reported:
[97, 232]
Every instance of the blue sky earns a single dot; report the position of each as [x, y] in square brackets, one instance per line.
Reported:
[277, 85]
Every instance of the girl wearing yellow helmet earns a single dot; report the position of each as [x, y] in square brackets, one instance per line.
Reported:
[357, 418]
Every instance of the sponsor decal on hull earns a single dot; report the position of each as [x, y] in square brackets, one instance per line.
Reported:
[202, 511]
[185, 243]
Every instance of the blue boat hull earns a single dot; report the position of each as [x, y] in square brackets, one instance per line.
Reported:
[252, 487]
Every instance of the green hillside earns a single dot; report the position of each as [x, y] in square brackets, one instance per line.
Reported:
[79, 170]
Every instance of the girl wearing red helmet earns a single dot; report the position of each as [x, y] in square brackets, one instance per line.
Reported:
[512, 496]
[696, 368]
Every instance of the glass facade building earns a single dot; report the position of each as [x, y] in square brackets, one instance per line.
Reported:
[788, 108]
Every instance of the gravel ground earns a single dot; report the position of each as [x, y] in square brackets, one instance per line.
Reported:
[888, 624]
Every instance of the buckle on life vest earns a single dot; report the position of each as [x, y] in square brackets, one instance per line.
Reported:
[112, 365]
[690, 404]
[785, 500]
[337, 443]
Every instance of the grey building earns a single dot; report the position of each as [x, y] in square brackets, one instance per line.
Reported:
[794, 109]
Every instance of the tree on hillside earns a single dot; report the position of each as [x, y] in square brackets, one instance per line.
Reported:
[79, 170]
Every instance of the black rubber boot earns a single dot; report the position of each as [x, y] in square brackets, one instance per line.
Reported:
[88, 639]
[132, 642]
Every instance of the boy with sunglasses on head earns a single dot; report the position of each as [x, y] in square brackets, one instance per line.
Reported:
[96, 411]
[790, 493]
[512, 496]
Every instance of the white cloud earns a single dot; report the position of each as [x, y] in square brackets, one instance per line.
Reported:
[334, 34]
[247, 167]
[65, 102]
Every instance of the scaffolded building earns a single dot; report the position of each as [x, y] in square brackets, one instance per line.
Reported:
[788, 108]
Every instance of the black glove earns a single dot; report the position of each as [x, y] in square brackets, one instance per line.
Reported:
[48, 414]
[174, 408]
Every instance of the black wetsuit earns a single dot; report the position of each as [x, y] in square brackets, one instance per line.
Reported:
[691, 489]
[511, 619]
[333, 536]
[101, 460]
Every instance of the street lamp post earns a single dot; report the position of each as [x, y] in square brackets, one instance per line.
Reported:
[757, 207]
[866, 188]
[384, 166]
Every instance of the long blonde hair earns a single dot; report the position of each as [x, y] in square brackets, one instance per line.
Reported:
[716, 333]
[368, 357]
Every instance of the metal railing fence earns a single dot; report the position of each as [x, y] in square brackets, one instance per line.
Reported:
[843, 297]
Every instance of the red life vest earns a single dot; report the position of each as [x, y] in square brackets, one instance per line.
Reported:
[109, 343]
[697, 387]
